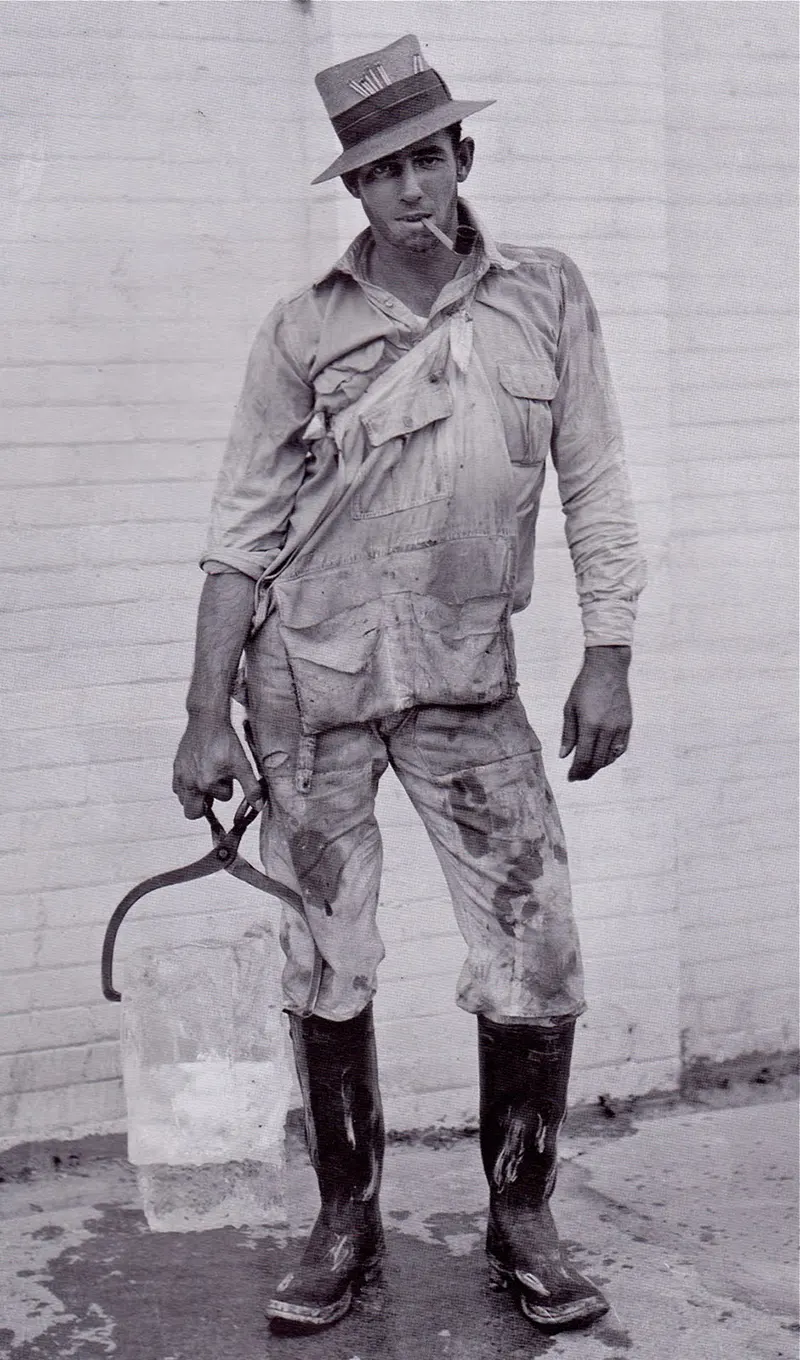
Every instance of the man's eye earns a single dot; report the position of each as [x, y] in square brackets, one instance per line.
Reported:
[382, 171]
[428, 161]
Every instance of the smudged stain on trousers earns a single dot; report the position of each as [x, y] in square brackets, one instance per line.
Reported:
[318, 865]
[546, 977]
[514, 900]
[468, 800]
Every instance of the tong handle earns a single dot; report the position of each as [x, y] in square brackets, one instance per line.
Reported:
[244, 816]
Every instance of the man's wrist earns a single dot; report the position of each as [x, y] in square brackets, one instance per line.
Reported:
[218, 708]
[612, 654]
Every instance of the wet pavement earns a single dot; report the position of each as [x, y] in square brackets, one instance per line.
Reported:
[687, 1216]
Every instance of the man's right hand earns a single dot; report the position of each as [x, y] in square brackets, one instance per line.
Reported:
[210, 756]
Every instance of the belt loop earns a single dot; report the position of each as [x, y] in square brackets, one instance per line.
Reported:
[306, 752]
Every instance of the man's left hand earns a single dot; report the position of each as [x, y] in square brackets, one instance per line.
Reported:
[598, 713]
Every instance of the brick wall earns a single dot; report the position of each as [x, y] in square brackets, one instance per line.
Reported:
[732, 180]
[155, 206]
[155, 171]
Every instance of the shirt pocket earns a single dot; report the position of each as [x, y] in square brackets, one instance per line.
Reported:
[526, 390]
[408, 464]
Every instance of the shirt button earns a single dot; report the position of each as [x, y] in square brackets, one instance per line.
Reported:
[389, 302]
[408, 421]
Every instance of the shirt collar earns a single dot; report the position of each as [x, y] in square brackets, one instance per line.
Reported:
[486, 254]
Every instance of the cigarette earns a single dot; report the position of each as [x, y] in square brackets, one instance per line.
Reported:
[435, 231]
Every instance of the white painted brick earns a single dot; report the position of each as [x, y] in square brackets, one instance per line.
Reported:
[86, 665]
[714, 338]
[758, 32]
[750, 971]
[75, 1025]
[741, 868]
[743, 147]
[420, 997]
[73, 220]
[609, 975]
[448, 1109]
[62, 1112]
[38, 710]
[699, 404]
[30, 589]
[25, 789]
[750, 1013]
[731, 906]
[602, 842]
[90, 906]
[725, 801]
[774, 1038]
[189, 262]
[58, 1067]
[128, 383]
[84, 625]
[168, 541]
[127, 781]
[106, 424]
[51, 988]
[699, 295]
[616, 937]
[441, 952]
[96, 342]
[443, 1068]
[115, 822]
[731, 184]
[749, 110]
[52, 868]
[624, 1080]
[454, 1030]
[176, 299]
[712, 477]
[625, 897]
[18, 951]
[710, 943]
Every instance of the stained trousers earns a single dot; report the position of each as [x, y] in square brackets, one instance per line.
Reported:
[475, 776]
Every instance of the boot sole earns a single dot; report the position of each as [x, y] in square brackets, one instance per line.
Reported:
[306, 1317]
[579, 1314]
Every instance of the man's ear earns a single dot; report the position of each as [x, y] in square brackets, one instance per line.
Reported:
[464, 158]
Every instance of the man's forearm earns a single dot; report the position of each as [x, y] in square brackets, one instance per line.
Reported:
[223, 623]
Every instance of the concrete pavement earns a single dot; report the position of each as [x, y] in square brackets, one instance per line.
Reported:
[687, 1216]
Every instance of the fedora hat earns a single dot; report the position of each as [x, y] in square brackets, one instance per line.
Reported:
[385, 100]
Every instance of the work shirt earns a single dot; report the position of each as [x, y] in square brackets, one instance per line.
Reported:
[538, 338]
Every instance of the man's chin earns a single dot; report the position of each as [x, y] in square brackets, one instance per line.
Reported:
[415, 237]
[421, 246]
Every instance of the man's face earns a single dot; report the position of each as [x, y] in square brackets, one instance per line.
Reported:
[419, 181]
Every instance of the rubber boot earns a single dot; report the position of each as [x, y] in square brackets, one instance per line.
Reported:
[338, 1071]
[524, 1072]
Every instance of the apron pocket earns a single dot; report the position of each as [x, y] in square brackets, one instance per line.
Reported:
[409, 463]
[334, 680]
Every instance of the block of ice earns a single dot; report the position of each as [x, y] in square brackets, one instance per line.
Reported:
[207, 1080]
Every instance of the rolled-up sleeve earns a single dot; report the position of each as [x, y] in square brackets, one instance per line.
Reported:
[264, 460]
[594, 487]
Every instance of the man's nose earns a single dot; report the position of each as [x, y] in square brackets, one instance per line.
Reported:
[409, 184]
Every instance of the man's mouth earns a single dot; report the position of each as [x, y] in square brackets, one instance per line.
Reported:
[415, 217]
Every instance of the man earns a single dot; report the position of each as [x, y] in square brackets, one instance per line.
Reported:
[372, 532]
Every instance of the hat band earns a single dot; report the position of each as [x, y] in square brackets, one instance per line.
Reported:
[418, 93]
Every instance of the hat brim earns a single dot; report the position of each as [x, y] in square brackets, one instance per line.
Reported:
[405, 133]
